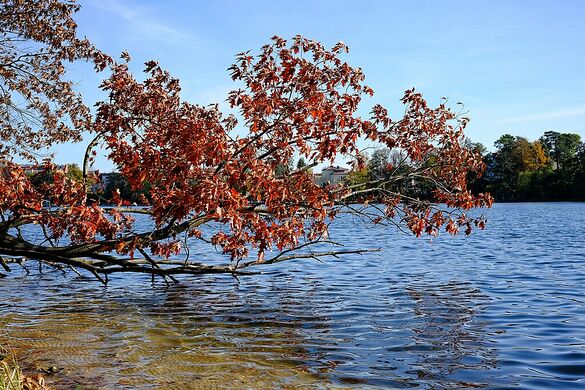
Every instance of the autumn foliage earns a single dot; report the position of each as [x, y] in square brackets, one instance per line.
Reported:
[294, 98]
[39, 106]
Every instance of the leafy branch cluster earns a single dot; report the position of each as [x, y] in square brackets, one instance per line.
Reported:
[294, 97]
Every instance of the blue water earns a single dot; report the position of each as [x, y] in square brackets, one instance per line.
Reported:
[502, 308]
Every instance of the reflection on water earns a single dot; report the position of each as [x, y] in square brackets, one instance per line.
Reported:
[450, 329]
[501, 308]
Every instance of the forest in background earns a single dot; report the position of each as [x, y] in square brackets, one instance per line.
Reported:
[551, 168]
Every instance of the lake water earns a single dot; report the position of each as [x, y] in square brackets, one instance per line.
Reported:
[503, 308]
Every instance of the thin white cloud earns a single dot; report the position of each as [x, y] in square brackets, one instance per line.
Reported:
[562, 113]
[142, 21]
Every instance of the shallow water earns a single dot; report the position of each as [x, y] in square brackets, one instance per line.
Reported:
[502, 308]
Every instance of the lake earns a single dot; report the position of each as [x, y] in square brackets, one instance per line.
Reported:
[502, 308]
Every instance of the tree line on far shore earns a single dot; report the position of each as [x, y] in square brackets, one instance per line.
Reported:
[103, 191]
[551, 168]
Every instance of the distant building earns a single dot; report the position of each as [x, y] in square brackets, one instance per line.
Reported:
[331, 175]
[317, 178]
[106, 177]
[31, 169]
[104, 180]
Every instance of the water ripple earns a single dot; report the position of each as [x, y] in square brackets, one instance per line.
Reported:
[500, 309]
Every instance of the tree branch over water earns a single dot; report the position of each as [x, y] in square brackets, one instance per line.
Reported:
[212, 178]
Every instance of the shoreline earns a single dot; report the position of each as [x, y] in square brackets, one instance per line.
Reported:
[12, 376]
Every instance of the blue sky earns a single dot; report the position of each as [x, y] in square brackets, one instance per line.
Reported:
[518, 66]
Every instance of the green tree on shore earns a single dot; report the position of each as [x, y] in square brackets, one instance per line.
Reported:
[550, 168]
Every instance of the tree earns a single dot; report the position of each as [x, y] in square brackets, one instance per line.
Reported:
[295, 98]
[282, 170]
[45, 177]
[528, 156]
[477, 183]
[579, 173]
[547, 169]
[478, 147]
[393, 169]
[301, 163]
[515, 166]
[118, 187]
[561, 147]
[358, 180]
[38, 106]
